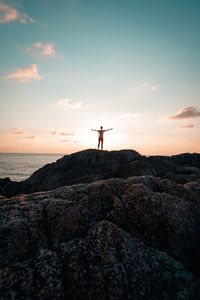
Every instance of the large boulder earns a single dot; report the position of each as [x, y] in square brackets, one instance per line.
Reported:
[111, 264]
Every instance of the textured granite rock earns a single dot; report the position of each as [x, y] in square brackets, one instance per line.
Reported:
[134, 238]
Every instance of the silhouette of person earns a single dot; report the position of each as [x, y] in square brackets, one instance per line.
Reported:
[100, 135]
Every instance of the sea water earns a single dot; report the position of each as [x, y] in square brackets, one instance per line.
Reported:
[19, 166]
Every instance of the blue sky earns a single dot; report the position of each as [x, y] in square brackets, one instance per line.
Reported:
[123, 64]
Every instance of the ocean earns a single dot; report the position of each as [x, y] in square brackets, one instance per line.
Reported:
[19, 166]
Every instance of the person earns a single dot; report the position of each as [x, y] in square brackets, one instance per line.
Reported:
[100, 135]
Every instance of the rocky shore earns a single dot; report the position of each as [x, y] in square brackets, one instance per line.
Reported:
[92, 165]
[103, 225]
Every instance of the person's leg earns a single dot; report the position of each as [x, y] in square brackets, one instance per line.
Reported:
[98, 143]
[102, 144]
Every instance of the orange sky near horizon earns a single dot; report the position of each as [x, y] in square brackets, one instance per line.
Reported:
[18, 141]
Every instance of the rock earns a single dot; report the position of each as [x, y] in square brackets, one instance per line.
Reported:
[134, 238]
[14, 188]
[136, 168]
[187, 159]
[191, 173]
[178, 190]
[48, 275]
[161, 164]
[39, 278]
[17, 281]
[92, 165]
[111, 264]
[175, 177]
[194, 188]
[2, 198]
[85, 166]
[4, 181]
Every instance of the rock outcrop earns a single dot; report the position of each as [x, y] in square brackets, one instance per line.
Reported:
[92, 165]
[134, 238]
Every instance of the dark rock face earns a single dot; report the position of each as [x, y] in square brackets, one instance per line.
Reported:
[92, 165]
[175, 177]
[4, 181]
[136, 168]
[130, 269]
[135, 238]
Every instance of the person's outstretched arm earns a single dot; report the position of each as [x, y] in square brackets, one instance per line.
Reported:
[94, 130]
[109, 129]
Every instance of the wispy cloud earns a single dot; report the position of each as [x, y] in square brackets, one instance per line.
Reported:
[38, 45]
[46, 49]
[66, 134]
[187, 126]
[26, 74]
[62, 133]
[187, 112]
[63, 141]
[30, 137]
[67, 103]
[14, 131]
[53, 132]
[153, 88]
[128, 115]
[9, 14]
[146, 87]
[17, 131]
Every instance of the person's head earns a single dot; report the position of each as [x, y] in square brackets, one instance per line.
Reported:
[101, 127]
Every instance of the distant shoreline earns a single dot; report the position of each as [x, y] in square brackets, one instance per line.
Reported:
[34, 153]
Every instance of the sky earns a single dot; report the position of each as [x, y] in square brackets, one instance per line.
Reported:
[69, 66]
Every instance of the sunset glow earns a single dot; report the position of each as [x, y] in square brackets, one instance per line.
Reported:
[70, 66]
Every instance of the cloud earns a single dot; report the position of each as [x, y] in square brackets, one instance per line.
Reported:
[30, 137]
[25, 74]
[66, 134]
[14, 131]
[31, 20]
[38, 45]
[187, 112]
[145, 84]
[46, 49]
[53, 132]
[10, 14]
[128, 115]
[17, 131]
[146, 87]
[63, 141]
[187, 126]
[67, 103]
[153, 88]
[23, 21]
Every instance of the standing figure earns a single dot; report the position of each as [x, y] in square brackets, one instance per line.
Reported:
[100, 137]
